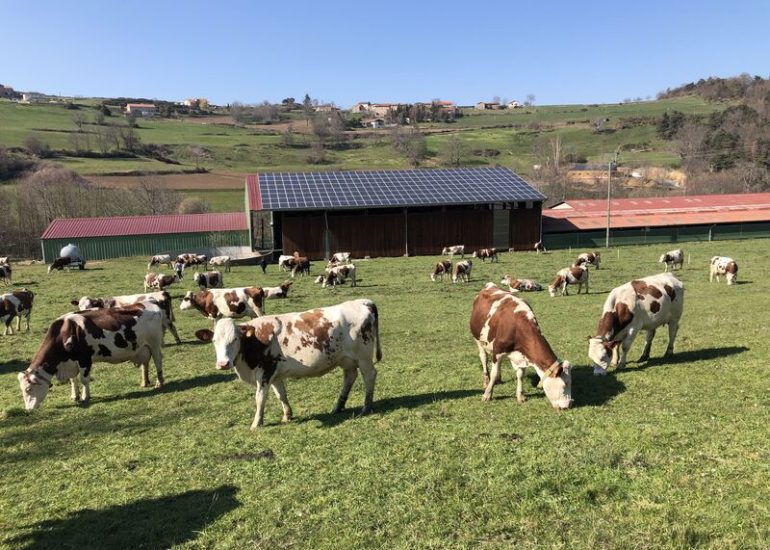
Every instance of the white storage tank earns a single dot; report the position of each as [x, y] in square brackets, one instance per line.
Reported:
[71, 251]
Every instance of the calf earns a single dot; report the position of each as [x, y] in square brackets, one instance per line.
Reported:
[452, 250]
[221, 261]
[211, 279]
[722, 265]
[444, 267]
[340, 257]
[285, 263]
[160, 259]
[268, 350]
[154, 280]
[672, 258]
[75, 341]
[163, 299]
[569, 276]
[5, 260]
[339, 274]
[539, 247]
[643, 304]
[277, 292]
[226, 302]
[59, 263]
[301, 266]
[588, 258]
[6, 272]
[521, 285]
[16, 304]
[504, 325]
[462, 271]
[485, 253]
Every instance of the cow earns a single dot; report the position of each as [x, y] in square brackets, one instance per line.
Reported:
[301, 266]
[339, 274]
[226, 302]
[159, 281]
[452, 250]
[59, 263]
[722, 265]
[193, 260]
[75, 341]
[521, 285]
[160, 259]
[162, 298]
[575, 275]
[221, 261]
[319, 280]
[485, 253]
[672, 258]
[504, 325]
[588, 258]
[6, 273]
[210, 279]
[462, 271]
[539, 247]
[444, 267]
[277, 292]
[340, 257]
[5, 260]
[271, 349]
[642, 304]
[16, 304]
[285, 263]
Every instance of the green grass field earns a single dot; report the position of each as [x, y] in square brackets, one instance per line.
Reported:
[667, 454]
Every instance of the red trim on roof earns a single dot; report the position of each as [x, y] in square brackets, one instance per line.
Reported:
[253, 192]
[71, 228]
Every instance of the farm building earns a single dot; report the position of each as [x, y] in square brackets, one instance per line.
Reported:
[101, 238]
[391, 213]
[582, 223]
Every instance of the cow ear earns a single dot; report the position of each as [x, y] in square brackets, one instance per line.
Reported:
[74, 302]
[556, 372]
[204, 335]
[67, 334]
[248, 331]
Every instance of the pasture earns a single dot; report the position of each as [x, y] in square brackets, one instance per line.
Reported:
[669, 453]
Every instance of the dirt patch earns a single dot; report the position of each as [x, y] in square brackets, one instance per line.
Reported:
[211, 180]
[267, 454]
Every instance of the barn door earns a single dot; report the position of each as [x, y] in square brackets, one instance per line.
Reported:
[500, 226]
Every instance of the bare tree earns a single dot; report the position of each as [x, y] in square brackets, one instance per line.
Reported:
[411, 143]
[307, 108]
[37, 147]
[154, 198]
[287, 136]
[79, 119]
[130, 138]
[530, 101]
[199, 154]
[454, 150]
[193, 205]
[99, 117]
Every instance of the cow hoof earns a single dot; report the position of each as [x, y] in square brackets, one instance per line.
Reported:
[337, 410]
[366, 410]
[286, 419]
[486, 397]
[158, 384]
[644, 359]
[486, 381]
[144, 385]
[256, 426]
[520, 398]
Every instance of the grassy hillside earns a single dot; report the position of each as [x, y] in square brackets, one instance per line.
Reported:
[668, 454]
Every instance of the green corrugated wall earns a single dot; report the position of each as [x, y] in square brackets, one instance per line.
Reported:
[102, 248]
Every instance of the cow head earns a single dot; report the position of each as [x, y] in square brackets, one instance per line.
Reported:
[187, 301]
[197, 278]
[600, 353]
[231, 341]
[663, 258]
[34, 387]
[557, 384]
[553, 287]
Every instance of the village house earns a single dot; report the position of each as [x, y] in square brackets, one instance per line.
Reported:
[487, 105]
[141, 109]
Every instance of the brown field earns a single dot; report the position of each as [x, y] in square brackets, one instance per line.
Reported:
[210, 181]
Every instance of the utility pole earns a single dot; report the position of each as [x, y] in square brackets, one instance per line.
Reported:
[610, 165]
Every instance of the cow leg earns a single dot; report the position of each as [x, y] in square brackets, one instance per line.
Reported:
[520, 369]
[647, 345]
[260, 398]
[484, 367]
[18, 323]
[624, 347]
[74, 389]
[280, 392]
[85, 379]
[8, 327]
[144, 368]
[673, 328]
[349, 375]
[157, 358]
[174, 333]
[564, 291]
[369, 374]
[492, 378]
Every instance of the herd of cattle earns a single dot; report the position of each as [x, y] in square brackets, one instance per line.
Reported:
[269, 349]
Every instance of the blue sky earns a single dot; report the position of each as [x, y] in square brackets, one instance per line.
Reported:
[562, 52]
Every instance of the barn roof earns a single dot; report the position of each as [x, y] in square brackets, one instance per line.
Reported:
[657, 212]
[71, 228]
[385, 189]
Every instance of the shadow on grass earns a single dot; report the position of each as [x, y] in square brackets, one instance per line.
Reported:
[14, 365]
[707, 354]
[150, 523]
[594, 391]
[170, 387]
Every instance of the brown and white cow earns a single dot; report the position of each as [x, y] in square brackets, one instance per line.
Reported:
[301, 265]
[160, 259]
[6, 273]
[444, 267]
[285, 262]
[643, 304]
[162, 298]
[539, 247]
[159, 281]
[339, 274]
[569, 276]
[723, 265]
[193, 260]
[485, 253]
[5, 260]
[521, 285]
[277, 292]
[75, 341]
[221, 261]
[340, 257]
[271, 349]
[462, 271]
[226, 302]
[452, 250]
[672, 258]
[210, 279]
[59, 263]
[589, 258]
[16, 304]
[504, 325]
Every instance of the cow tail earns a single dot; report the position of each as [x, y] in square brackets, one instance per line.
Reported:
[376, 314]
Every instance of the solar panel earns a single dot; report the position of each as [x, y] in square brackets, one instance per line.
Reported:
[392, 188]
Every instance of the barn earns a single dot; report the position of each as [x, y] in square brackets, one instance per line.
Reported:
[391, 213]
[114, 237]
[583, 222]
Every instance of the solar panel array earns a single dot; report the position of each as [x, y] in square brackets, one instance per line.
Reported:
[395, 188]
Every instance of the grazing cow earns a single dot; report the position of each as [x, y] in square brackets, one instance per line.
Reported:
[263, 265]
[193, 260]
[452, 250]
[301, 266]
[521, 285]
[722, 265]
[163, 299]
[589, 258]
[643, 304]
[340, 257]
[444, 267]
[59, 263]
[672, 258]
[285, 263]
[277, 292]
[226, 302]
[6, 272]
[320, 279]
[569, 276]
[160, 259]
[268, 350]
[154, 280]
[16, 304]
[339, 274]
[505, 326]
[75, 341]
[462, 271]
[221, 261]
[211, 279]
[485, 253]
[540, 247]
[5, 260]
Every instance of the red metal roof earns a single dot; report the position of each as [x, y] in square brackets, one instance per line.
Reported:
[657, 212]
[71, 228]
[253, 192]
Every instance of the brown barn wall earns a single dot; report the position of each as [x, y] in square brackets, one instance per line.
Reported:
[373, 234]
[304, 234]
[431, 231]
[525, 227]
